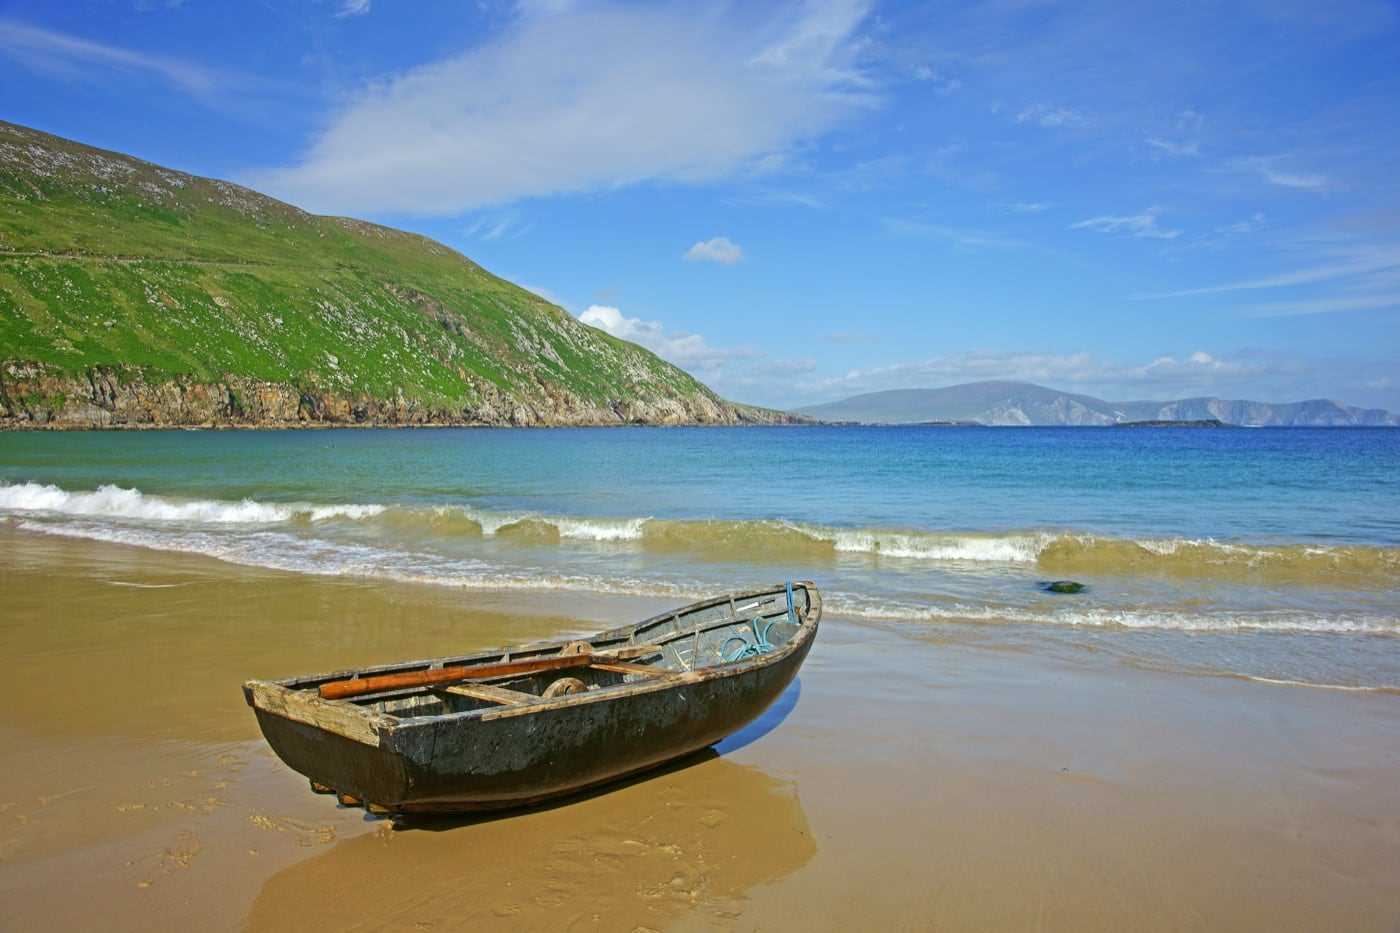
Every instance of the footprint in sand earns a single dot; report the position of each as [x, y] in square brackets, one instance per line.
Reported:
[306, 834]
[184, 851]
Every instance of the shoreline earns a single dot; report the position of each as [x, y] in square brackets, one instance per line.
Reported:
[905, 781]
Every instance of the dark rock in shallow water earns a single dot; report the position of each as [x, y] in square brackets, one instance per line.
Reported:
[1063, 586]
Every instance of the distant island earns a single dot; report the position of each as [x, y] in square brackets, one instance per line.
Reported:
[133, 295]
[1027, 404]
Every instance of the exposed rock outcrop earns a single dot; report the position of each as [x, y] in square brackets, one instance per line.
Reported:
[35, 396]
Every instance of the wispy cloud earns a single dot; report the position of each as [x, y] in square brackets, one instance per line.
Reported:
[1329, 305]
[1349, 263]
[1051, 117]
[548, 294]
[1267, 168]
[1142, 225]
[352, 8]
[1029, 207]
[1185, 148]
[1253, 224]
[962, 236]
[848, 337]
[779, 199]
[506, 226]
[941, 83]
[589, 98]
[60, 52]
[717, 249]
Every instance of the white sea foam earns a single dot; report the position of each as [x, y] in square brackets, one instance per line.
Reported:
[275, 550]
[862, 607]
[356, 512]
[1343, 688]
[146, 586]
[492, 522]
[596, 529]
[112, 501]
[1009, 549]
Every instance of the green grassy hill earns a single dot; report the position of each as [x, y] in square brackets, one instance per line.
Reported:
[134, 294]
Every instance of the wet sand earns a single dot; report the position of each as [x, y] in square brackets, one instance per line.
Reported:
[903, 783]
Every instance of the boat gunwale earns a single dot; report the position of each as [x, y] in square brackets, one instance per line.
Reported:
[379, 724]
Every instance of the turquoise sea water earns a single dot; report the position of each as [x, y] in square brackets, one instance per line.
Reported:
[1272, 554]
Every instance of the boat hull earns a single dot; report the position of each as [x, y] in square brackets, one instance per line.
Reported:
[519, 757]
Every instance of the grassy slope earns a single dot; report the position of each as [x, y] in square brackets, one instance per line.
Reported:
[180, 275]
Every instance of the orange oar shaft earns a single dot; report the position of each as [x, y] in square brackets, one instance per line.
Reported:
[342, 689]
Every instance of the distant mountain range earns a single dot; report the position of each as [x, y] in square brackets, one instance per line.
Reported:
[1024, 403]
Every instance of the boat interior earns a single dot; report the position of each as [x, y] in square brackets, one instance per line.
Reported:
[729, 630]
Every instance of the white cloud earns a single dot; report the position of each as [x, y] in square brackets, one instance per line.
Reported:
[743, 373]
[352, 8]
[1051, 117]
[1142, 225]
[688, 351]
[718, 249]
[56, 51]
[1197, 372]
[1266, 167]
[1029, 207]
[585, 99]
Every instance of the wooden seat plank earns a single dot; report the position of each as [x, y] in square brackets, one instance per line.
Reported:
[622, 667]
[492, 694]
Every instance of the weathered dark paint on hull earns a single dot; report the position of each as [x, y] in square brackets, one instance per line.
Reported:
[518, 760]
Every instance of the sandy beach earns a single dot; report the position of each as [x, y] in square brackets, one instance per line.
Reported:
[905, 782]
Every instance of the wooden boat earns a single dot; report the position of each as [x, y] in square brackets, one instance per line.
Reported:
[516, 726]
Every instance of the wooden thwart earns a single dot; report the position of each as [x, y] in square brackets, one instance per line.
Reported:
[492, 694]
[621, 667]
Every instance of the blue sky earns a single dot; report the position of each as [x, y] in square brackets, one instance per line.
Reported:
[798, 202]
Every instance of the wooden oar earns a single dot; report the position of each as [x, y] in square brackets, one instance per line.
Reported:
[344, 689]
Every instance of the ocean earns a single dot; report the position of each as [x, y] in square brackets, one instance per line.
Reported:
[1271, 555]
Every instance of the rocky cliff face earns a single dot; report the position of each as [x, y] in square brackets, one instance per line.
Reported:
[34, 396]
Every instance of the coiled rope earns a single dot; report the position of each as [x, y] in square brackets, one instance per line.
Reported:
[760, 644]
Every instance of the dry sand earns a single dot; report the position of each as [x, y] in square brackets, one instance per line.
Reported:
[902, 783]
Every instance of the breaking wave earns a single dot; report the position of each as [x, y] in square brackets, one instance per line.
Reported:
[760, 541]
[115, 502]
[282, 550]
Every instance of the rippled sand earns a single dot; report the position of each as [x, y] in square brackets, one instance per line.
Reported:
[903, 783]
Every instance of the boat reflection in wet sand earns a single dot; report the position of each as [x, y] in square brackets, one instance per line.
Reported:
[516, 726]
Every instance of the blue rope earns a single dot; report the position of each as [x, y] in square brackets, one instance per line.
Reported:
[760, 644]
